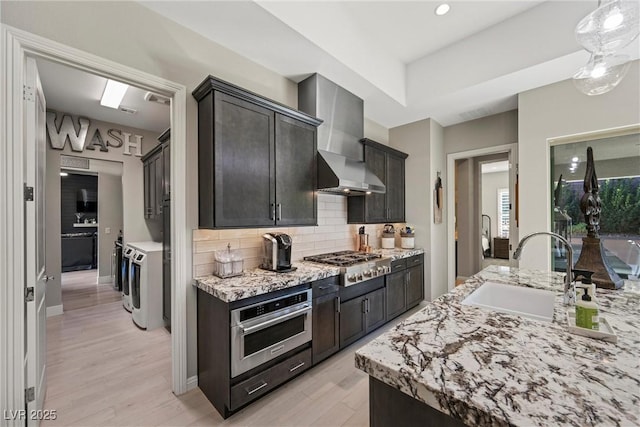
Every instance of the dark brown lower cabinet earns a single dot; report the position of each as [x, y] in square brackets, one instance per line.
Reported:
[362, 309]
[389, 406]
[326, 318]
[405, 285]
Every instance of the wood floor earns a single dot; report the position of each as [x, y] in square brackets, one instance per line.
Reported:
[81, 289]
[104, 371]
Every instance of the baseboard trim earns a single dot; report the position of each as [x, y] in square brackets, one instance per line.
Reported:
[105, 279]
[192, 382]
[55, 310]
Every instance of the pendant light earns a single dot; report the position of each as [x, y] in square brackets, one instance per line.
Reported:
[601, 74]
[610, 27]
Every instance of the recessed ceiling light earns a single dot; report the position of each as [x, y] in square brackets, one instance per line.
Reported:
[574, 165]
[442, 9]
[113, 93]
[575, 159]
[64, 174]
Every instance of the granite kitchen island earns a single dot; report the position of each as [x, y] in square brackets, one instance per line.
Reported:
[452, 364]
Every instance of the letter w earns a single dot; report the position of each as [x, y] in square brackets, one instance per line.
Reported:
[67, 131]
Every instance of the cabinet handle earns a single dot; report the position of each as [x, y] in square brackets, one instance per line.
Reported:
[298, 366]
[368, 305]
[273, 212]
[364, 305]
[261, 386]
[279, 211]
[338, 304]
[322, 288]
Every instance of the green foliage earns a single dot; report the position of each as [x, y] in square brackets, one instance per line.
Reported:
[579, 229]
[620, 205]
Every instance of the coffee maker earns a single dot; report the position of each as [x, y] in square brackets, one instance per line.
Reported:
[276, 252]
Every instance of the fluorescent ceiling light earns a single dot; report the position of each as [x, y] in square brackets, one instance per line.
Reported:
[113, 93]
[442, 9]
[64, 174]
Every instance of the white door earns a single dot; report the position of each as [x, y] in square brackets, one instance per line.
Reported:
[35, 305]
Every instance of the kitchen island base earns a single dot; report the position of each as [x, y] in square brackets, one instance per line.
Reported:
[389, 406]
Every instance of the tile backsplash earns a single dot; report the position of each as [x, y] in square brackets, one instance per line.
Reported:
[331, 234]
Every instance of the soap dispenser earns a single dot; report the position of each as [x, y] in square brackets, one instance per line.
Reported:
[586, 308]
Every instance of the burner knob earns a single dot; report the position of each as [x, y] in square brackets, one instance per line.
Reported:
[359, 277]
[368, 273]
[351, 278]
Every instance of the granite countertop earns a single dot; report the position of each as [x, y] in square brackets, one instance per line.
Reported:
[488, 368]
[398, 253]
[257, 281]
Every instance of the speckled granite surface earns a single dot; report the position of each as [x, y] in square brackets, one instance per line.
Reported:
[487, 368]
[398, 253]
[257, 281]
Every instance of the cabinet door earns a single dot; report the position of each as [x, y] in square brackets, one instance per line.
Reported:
[396, 295]
[376, 312]
[157, 184]
[166, 172]
[352, 321]
[243, 163]
[415, 285]
[326, 326]
[375, 207]
[147, 204]
[295, 172]
[151, 188]
[395, 189]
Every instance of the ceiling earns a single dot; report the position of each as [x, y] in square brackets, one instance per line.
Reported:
[82, 98]
[403, 60]
[493, 167]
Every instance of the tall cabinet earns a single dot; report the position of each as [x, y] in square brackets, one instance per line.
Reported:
[256, 160]
[157, 207]
[388, 165]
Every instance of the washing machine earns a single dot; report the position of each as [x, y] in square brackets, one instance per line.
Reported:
[146, 285]
[127, 253]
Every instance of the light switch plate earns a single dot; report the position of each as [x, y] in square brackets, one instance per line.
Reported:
[107, 230]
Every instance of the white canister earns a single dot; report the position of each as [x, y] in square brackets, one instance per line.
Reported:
[388, 240]
[407, 241]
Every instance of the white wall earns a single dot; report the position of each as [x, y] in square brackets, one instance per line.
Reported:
[438, 164]
[553, 111]
[491, 182]
[375, 131]
[110, 219]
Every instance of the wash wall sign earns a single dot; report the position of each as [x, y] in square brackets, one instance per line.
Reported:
[67, 131]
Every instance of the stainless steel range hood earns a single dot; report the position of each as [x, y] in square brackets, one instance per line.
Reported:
[341, 168]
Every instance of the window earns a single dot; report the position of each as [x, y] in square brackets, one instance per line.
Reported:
[617, 164]
[503, 212]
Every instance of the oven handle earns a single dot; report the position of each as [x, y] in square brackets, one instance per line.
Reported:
[263, 325]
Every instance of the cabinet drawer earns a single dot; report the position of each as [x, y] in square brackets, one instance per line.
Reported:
[326, 286]
[398, 265]
[415, 260]
[258, 385]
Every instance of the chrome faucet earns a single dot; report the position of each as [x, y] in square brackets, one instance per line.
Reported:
[569, 288]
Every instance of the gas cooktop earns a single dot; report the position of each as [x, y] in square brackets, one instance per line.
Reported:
[355, 267]
[343, 258]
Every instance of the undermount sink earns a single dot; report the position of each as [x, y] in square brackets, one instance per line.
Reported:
[534, 304]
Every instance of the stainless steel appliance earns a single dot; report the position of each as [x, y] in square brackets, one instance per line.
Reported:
[355, 267]
[263, 331]
[146, 285]
[276, 252]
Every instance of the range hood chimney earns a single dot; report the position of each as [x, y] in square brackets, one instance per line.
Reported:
[341, 168]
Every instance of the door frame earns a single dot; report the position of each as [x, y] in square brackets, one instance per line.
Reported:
[512, 150]
[16, 46]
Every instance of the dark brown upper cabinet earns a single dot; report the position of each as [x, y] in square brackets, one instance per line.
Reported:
[156, 177]
[388, 164]
[256, 160]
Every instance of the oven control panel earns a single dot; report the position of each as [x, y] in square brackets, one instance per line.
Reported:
[365, 271]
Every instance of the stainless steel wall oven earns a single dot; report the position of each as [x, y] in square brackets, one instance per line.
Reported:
[266, 330]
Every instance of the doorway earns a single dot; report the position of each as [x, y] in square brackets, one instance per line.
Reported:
[477, 235]
[20, 45]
